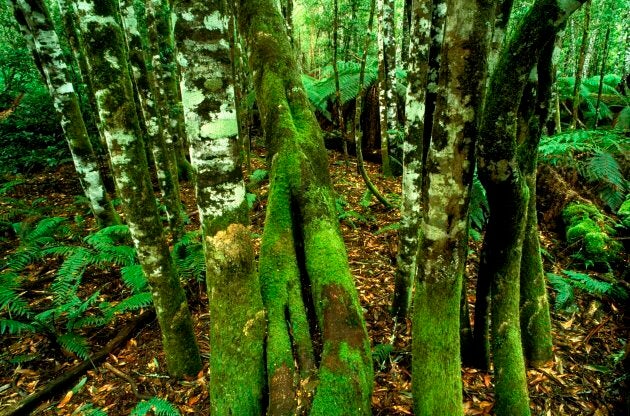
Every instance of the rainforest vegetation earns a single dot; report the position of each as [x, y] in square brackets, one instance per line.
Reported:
[322, 207]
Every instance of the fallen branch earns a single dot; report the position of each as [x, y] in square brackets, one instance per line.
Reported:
[128, 379]
[62, 382]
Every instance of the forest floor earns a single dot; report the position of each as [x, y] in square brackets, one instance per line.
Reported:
[584, 379]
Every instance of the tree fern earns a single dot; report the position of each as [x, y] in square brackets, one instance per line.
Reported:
[160, 407]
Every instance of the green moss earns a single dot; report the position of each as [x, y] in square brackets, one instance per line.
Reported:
[587, 226]
[624, 212]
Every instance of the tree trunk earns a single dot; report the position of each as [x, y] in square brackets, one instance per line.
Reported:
[508, 196]
[445, 194]
[107, 56]
[575, 109]
[341, 127]
[303, 259]
[387, 77]
[212, 128]
[162, 47]
[602, 72]
[46, 48]
[146, 86]
[410, 211]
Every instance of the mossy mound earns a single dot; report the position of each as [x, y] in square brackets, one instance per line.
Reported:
[593, 232]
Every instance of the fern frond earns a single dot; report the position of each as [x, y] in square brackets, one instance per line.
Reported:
[160, 407]
[479, 208]
[604, 167]
[14, 327]
[565, 296]
[8, 186]
[10, 300]
[75, 343]
[593, 286]
[77, 311]
[45, 230]
[134, 278]
[134, 302]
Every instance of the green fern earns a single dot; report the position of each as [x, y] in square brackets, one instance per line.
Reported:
[478, 209]
[595, 155]
[565, 284]
[565, 295]
[160, 407]
[134, 278]
[75, 343]
[15, 327]
[189, 257]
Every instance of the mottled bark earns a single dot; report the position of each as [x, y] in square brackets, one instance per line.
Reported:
[302, 251]
[212, 127]
[508, 195]
[46, 48]
[163, 58]
[237, 325]
[502, 18]
[387, 81]
[107, 56]
[410, 210]
[405, 35]
[134, 22]
[445, 195]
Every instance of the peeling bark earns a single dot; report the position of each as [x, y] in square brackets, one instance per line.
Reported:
[107, 56]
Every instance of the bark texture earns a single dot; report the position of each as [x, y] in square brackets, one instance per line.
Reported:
[410, 210]
[237, 325]
[508, 195]
[134, 22]
[107, 56]
[387, 79]
[212, 126]
[445, 194]
[303, 259]
[35, 19]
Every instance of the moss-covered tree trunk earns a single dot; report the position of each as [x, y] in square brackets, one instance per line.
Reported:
[534, 314]
[107, 56]
[508, 195]
[445, 194]
[33, 17]
[410, 210]
[237, 316]
[387, 81]
[306, 282]
[164, 60]
[134, 22]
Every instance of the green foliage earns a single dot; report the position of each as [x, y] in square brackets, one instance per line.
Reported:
[589, 88]
[592, 233]
[71, 309]
[479, 209]
[596, 156]
[160, 407]
[89, 410]
[348, 215]
[189, 257]
[565, 284]
[258, 175]
[381, 354]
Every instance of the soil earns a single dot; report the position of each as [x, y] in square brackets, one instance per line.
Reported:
[585, 378]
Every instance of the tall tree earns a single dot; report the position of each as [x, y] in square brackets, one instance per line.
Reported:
[500, 170]
[236, 313]
[387, 81]
[35, 22]
[579, 70]
[410, 211]
[106, 52]
[303, 259]
[134, 23]
[444, 197]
